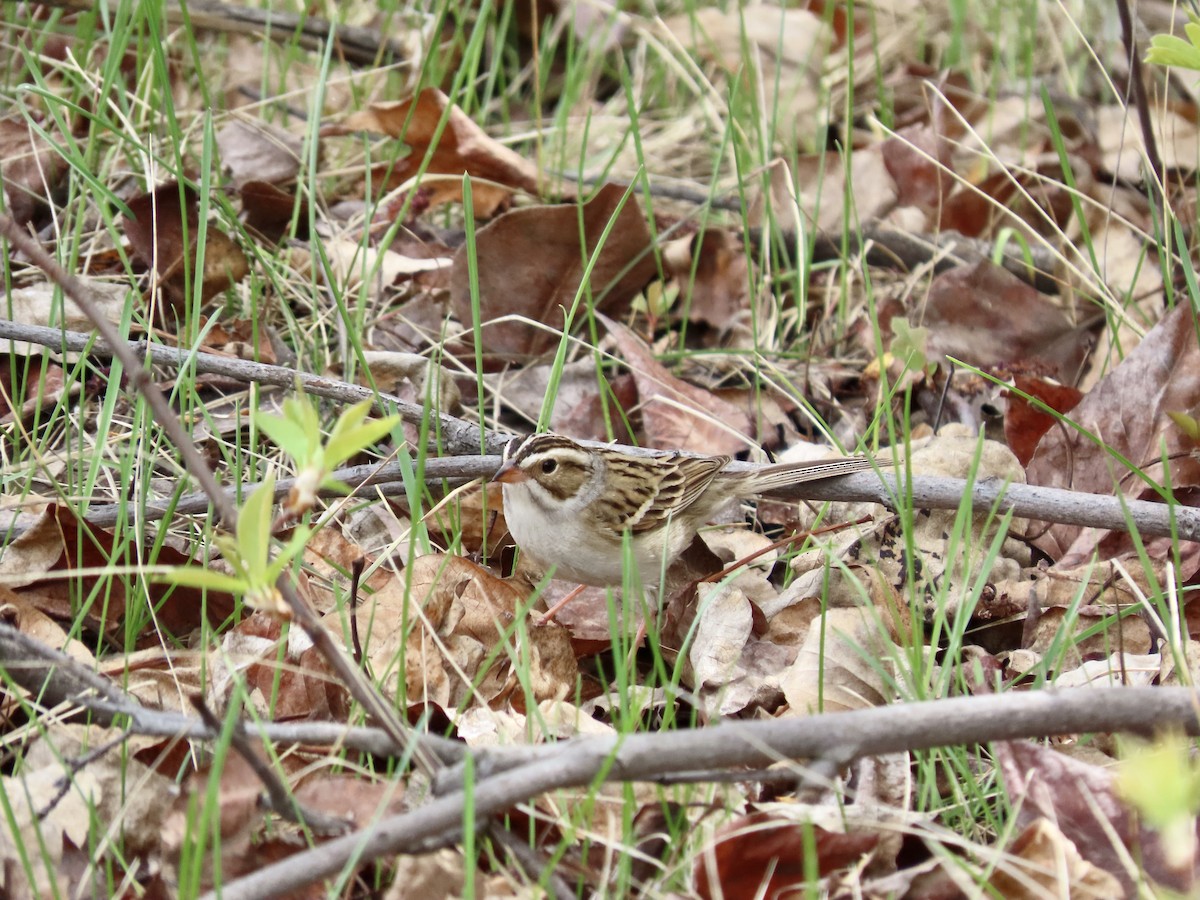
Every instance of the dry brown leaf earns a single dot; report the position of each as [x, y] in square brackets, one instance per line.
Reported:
[841, 665]
[34, 552]
[242, 338]
[440, 875]
[158, 678]
[1173, 675]
[30, 170]
[389, 369]
[239, 817]
[1130, 411]
[66, 825]
[351, 264]
[57, 808]
[156, 231]
[296, 685]
[44, 304]
[462, 148]
[552, 671]
[821, 183]
[18, 611]
[722, 628]
[255, 151]
[456, 612]
[1047, 634]
[986, 316]
[761, 855]
[1080, 798]
[40, 384]
[1123, 151]
[1042, 862]
[677, 415]
[531, 264]
[1128, 669]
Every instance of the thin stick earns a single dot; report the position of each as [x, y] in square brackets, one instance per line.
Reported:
[281, 800]
[458, 436]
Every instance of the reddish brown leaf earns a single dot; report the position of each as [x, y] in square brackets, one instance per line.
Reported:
[269, 211]
[1024, 425]
[531, 263]
[762, 855]
[156, 232]
[300, 685]
[677, 415]
[74, 544]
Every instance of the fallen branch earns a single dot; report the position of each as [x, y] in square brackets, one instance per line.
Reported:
[639, 757]
[457, 435]
[56, 679]
[889, 248]
[1027, 501]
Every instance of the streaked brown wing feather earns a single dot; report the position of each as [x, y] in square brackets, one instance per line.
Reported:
[647, 491]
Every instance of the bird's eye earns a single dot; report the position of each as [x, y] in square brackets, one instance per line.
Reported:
[549, 465]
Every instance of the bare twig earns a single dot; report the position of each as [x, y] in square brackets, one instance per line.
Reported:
[54, 679]
[457, 435]
[887, 247]
[388, 479]
[281, 800]
[1027, 501]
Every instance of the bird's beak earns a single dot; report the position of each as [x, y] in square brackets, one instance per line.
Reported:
[509, 474]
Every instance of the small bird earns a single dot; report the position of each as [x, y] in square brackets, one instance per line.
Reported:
[569, 506]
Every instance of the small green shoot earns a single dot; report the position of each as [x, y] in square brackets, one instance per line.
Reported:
[249, 553]
[298, 433]
[1174, 51]
[1162, 782]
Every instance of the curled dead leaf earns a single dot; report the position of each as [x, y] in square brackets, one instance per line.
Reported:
[462, 147]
